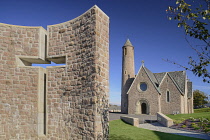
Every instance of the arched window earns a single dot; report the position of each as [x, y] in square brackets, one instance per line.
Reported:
[168, 96]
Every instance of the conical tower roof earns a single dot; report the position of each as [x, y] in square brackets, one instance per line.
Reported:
[128, 43]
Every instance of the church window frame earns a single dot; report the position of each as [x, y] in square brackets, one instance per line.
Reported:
[142, 87]
[168, 96]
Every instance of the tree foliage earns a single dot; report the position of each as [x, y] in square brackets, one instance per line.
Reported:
[199, 98]
[194, 17]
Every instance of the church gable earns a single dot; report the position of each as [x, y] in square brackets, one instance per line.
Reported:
[178, 79]
[168, 80]
[144, 76]
[143, 91]
[171, 95]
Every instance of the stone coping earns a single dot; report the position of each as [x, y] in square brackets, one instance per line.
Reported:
[164, 120]
[130, 120]
[95, 6]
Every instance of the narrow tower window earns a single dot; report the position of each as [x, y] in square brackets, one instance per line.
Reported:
[45, 105]
[125, 51]
[168, 96]
[45, 45]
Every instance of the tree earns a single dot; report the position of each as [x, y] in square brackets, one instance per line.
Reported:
[194, 17]
[199, 98]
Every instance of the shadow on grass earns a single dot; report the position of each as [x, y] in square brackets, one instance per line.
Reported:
[166, 136]
[117, 137]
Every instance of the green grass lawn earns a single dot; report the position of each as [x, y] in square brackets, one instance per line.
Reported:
[202, 113]
[122, 131]
[201, 110]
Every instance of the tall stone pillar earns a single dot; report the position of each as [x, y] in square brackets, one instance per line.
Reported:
[128, 73]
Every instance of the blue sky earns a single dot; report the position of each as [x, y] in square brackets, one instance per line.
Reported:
[144, 22]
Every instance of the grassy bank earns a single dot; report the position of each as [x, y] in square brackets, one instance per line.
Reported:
[199, 113]
[122, 131]
[200, 110]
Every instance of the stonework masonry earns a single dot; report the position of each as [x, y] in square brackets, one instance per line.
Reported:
[128, 72]
[59, 102]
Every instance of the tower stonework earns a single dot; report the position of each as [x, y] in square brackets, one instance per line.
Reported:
[68, 102]
[128, 73]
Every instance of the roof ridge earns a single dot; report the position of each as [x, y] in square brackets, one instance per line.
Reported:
[171, 71]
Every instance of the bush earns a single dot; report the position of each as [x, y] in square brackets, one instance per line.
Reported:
[193, 124]
[206, 130]
[192, 119]
[195, 127]
[177, 122]
[183, 126]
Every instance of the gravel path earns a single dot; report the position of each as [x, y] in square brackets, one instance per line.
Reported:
[158, 127]
[115, 116]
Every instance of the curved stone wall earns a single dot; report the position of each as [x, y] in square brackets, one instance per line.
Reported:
[63, 102]
[83, 42]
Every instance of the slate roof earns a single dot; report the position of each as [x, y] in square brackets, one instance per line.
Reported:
[159, 76]
[178, 77]
[152, 77]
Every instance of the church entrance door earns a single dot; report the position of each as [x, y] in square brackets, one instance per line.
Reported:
[143, 108]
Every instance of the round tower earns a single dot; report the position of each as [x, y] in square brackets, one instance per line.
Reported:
[128, 73]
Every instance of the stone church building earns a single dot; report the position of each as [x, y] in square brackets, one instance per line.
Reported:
[149, 93]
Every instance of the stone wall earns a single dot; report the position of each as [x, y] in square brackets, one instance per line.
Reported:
[190, 97]
[175, 98]
[63, 102]
[83, 43]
